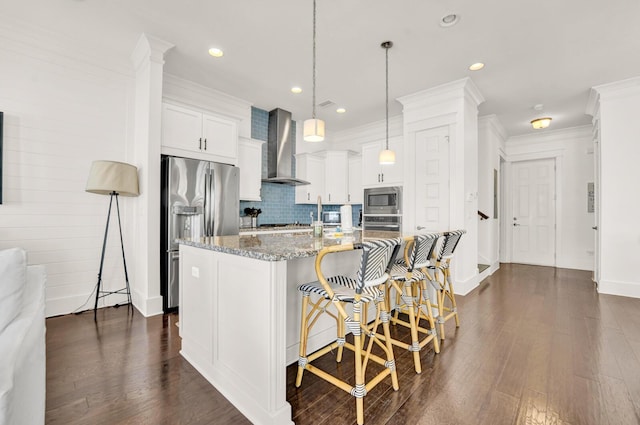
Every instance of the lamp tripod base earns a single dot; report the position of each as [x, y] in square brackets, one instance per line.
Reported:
[100, 293]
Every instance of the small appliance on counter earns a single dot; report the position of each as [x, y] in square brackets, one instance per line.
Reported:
[331, 218]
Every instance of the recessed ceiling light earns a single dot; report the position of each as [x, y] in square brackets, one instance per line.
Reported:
[476, 66]
[341, 110]
[449, 20]
[296, 90]
[215, 52]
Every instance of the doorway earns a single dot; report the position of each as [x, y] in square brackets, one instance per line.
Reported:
[534, 212]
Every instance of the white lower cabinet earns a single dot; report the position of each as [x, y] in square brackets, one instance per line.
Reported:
[250, 164]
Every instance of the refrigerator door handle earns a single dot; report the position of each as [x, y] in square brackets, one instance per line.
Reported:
[212, 196]
[206, 202]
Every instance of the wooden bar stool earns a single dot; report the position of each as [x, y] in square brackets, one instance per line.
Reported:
[439, 274]
[412, 296]
[333, 296]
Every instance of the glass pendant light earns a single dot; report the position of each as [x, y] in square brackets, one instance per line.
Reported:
[313, 130]
[387, 156]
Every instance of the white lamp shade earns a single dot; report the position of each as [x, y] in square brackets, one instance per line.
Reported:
[313, 130]
[106, 177]
[387, 157]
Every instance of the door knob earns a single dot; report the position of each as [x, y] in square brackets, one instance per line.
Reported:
[595, 227]
[515, 224]
[420, 227]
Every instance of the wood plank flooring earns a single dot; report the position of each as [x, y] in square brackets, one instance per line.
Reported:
[537, 345]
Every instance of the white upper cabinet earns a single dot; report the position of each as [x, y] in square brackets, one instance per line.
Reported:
[250, 164]
[336, 177]
[374, 174]
[356, 192]
[309, 167]
[196, 134]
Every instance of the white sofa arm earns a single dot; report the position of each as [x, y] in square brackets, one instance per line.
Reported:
[23, 354]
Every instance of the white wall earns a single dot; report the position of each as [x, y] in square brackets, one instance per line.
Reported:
[617, 105]
[491, 138]
[64, 107]
[573, 150]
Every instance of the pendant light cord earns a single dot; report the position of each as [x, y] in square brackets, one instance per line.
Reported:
[313, 113]
[387, 94]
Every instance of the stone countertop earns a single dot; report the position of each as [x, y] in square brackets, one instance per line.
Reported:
[280, 246]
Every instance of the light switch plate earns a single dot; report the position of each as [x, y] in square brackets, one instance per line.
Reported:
[195, 271]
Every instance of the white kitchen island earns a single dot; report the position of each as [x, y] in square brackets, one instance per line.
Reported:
[240, 312]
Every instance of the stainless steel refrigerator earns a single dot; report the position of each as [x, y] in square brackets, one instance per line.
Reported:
[198, 198]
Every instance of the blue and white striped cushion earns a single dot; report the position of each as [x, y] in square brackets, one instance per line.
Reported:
[344, 291]
[399, 272]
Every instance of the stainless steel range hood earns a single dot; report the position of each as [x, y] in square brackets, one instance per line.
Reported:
[280, 149]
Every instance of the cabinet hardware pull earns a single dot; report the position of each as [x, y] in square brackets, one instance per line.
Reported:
[421, 227]
[329, 197]
[205, 144]
[380, 174]
[349, 197]
[308, 196]
[200, 145]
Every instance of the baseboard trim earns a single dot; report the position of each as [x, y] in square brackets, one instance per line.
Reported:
[624, 289]
[148, 306]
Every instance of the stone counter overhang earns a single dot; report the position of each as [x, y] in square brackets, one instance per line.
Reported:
[281, 246]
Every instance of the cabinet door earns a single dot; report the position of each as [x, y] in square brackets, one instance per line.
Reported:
[250, 164]
[370, 166]
[196, 311]
[356, 193]
[220, 138]
[336, 177]
[374, 174]
[181, 128]
[393, 174]
[310, 168]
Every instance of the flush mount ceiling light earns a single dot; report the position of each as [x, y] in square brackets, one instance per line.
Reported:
[540, 123]
[296, 90]
[215, 52]
[313, 130]
[476, 66]
[449, 20]
[387, 157]
[341, 110]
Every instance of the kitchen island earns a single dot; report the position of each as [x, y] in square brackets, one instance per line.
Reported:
[240, 312]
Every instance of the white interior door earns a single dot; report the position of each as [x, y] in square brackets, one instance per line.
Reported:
[432, 179]
[534, 212]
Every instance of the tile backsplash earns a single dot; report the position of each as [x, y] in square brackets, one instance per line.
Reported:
[278, 200]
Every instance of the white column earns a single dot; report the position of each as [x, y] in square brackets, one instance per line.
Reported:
[148, 61]
[454, 105]
[617, 105]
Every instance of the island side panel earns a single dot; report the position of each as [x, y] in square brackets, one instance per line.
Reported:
[247, 358]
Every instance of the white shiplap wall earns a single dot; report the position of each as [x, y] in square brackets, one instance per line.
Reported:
[62, 110]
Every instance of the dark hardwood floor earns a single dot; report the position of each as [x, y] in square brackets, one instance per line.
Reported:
[537, 345]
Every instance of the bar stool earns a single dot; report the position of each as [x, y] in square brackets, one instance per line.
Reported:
[333, 296]
[439, 274]
[412, 296]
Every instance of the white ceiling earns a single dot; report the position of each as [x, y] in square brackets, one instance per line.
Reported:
[548, 51]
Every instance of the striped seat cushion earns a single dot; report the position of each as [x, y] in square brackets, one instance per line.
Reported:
[399, 272]
[344, 287]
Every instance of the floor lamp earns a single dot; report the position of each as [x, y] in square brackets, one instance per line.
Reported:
[112, 178]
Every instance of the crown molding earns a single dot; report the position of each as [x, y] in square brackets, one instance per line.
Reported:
[375, 130]
[151, 48]
[444, 92]
[554, 136]
[494, 124]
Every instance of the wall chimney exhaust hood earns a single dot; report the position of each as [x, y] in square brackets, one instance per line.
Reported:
[280, 149]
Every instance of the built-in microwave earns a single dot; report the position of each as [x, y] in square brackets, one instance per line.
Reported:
[383, 200]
